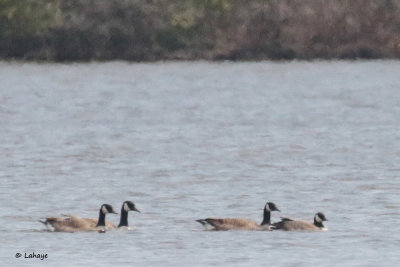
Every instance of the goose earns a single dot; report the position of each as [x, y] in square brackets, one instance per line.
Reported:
[219, 224]
[288, 224]
[123, 223]
[126, 207]
[71, 223]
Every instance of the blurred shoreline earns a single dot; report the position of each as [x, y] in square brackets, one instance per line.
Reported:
[156, 30]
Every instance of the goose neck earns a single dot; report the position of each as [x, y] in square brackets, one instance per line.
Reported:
[318, 224]
[124, 218]
[267, 217]
[102, 219]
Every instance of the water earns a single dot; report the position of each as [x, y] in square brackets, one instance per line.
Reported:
[192, 140]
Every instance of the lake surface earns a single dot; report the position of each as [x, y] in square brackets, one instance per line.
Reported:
[191, 140]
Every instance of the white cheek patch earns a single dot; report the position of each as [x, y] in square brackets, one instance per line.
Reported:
[126, 207]
[267, 207]
[104, 210]
[318, 219]
[208, 226]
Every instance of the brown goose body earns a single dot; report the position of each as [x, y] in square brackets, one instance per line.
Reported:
[287, 224]
[68, 224]
[93, 223]
[71, 223]
[224, 224]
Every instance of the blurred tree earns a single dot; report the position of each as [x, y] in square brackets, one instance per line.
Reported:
[23, 25]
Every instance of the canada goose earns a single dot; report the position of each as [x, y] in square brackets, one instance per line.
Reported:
[291, 225]
[126, 207]
[72, 223]
[241, 224]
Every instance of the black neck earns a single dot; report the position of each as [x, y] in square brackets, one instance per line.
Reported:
[124, 218]
[318, 224]
[267, 217]
[102, 219]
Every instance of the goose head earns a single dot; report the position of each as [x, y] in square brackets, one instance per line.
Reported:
[270, 206]
[106, 208]
[128, 206]
[320, 217]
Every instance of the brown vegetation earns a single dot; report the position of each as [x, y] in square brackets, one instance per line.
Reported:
[65, 30]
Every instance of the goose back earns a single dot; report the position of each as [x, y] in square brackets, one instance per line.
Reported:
[223, 224]
[93, 223]
[232, 223]
[288, 224]
[68, 224]
[71, 223]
